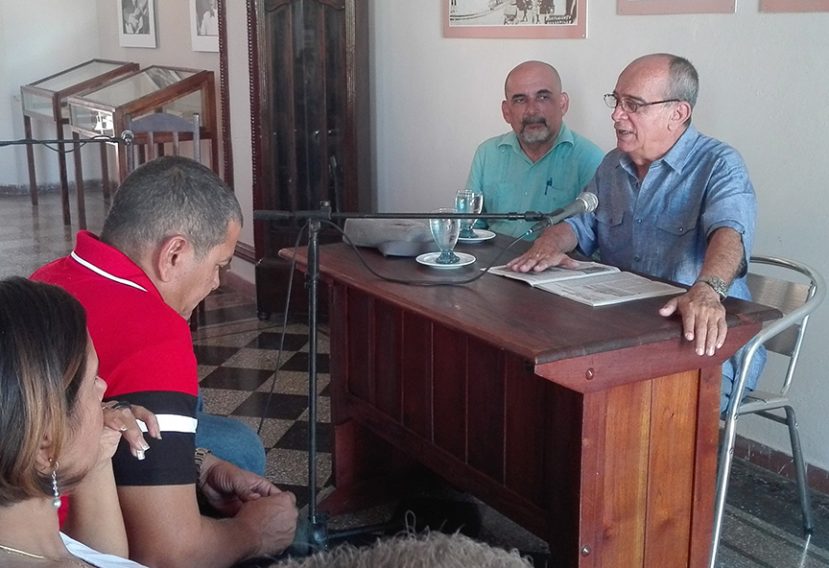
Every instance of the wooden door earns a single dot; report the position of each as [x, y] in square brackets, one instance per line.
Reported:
[311, 127]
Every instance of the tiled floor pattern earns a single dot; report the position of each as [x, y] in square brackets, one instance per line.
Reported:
[237, 361]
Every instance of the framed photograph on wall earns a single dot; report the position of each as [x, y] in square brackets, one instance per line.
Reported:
[794, 5]
[640, 7]
[136, 23]
[204, 25]
[535, 19]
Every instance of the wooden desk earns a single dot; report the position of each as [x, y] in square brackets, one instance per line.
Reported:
[596, 429]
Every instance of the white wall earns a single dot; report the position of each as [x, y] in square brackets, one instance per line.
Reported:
[70, 37]
[764, 89]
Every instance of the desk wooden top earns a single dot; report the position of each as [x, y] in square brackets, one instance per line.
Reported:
[539, 326]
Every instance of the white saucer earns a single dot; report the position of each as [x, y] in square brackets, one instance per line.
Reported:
[429, 260]
[481, 235]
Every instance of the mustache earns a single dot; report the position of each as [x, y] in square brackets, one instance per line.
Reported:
[534, 120]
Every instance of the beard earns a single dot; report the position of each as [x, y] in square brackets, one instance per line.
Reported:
[535, 136]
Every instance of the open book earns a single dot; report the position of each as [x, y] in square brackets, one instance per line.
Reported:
[592, 283]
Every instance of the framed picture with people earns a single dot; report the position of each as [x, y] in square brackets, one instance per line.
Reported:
[136, 23]
[515, 18]
[639, 7]
[204, 25]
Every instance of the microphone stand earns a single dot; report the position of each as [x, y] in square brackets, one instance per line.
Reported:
[320, 536]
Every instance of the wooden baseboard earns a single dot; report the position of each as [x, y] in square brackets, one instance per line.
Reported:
[779, 463]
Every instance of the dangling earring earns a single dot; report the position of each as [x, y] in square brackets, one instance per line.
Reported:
[55, 492]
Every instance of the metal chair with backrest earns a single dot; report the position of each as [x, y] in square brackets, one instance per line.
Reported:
[796, 295]
[155, 129]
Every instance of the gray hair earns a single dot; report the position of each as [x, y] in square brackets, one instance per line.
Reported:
[683, 81]
[432, 550]
[168, 196]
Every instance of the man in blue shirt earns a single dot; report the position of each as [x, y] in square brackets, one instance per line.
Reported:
[673, 203]
[541, 165]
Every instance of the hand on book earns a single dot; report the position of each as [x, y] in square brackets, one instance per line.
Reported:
[548, 250]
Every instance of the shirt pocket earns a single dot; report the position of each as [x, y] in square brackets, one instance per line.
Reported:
[680, 222]
[611, 232]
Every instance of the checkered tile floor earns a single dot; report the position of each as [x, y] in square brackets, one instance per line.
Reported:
[237, 357]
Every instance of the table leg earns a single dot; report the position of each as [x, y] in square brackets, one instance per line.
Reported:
[30, 157]
[79, 189]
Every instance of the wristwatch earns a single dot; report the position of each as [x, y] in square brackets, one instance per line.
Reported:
[198, 458]
[718, 284]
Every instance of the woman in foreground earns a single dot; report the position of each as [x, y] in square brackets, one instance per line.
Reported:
[54, 436]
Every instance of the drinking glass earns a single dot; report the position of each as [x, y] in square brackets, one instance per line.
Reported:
[445, 232]
[468, 201]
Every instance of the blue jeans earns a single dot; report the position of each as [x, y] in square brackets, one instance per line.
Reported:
[230, 440]
[729, 372]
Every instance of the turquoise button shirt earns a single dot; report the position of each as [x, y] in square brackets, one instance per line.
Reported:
[511, 182]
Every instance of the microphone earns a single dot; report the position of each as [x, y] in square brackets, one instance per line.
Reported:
[127, 137]
[584, 203]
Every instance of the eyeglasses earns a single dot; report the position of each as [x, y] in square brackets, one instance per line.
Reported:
[632, 106]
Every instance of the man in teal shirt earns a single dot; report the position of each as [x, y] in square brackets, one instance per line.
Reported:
[541, 165]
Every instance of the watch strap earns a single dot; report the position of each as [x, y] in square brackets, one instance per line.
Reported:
[719, 285]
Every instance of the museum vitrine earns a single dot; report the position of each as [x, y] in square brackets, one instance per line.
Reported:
[175, 91]
[46, 100]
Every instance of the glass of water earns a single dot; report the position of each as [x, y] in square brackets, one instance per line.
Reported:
[445, 232]
[468, 201]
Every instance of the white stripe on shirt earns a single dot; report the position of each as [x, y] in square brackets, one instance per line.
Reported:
[173, 423]
[104, 273]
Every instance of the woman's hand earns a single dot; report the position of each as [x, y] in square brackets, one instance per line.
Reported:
[122, 417]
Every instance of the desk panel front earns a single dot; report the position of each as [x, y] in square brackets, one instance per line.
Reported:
[594, 428]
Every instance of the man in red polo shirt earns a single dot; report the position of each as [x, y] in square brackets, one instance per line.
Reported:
[172, 227]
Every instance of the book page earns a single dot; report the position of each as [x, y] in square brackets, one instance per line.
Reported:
[607, 289]
[555, 273]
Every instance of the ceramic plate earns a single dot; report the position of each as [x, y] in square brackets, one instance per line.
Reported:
[429, 260]
[481, 235]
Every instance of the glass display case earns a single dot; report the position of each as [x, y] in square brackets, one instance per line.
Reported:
[109, 109]
[46, 99]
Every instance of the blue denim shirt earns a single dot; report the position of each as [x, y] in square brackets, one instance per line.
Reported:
[511, 182]
[661, 225]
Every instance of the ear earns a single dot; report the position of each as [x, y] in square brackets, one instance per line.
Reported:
[505, 111]
[170, 256]
[681, 113]
[564, 103]
[44, 460]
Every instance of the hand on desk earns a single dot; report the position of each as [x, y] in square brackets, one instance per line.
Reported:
[703, 318]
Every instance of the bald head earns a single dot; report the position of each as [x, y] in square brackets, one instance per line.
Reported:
[537, 68]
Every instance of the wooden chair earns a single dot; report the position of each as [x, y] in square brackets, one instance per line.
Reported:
[796, 290]
[149, 133]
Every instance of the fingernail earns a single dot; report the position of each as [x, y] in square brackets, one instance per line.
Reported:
[123, 428]
[145, 446]
[139, 454]
[700, 352]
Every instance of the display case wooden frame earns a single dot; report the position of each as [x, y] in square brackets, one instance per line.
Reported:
[113, 110]
[52, 93]
[642, 7]
[575, 29]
